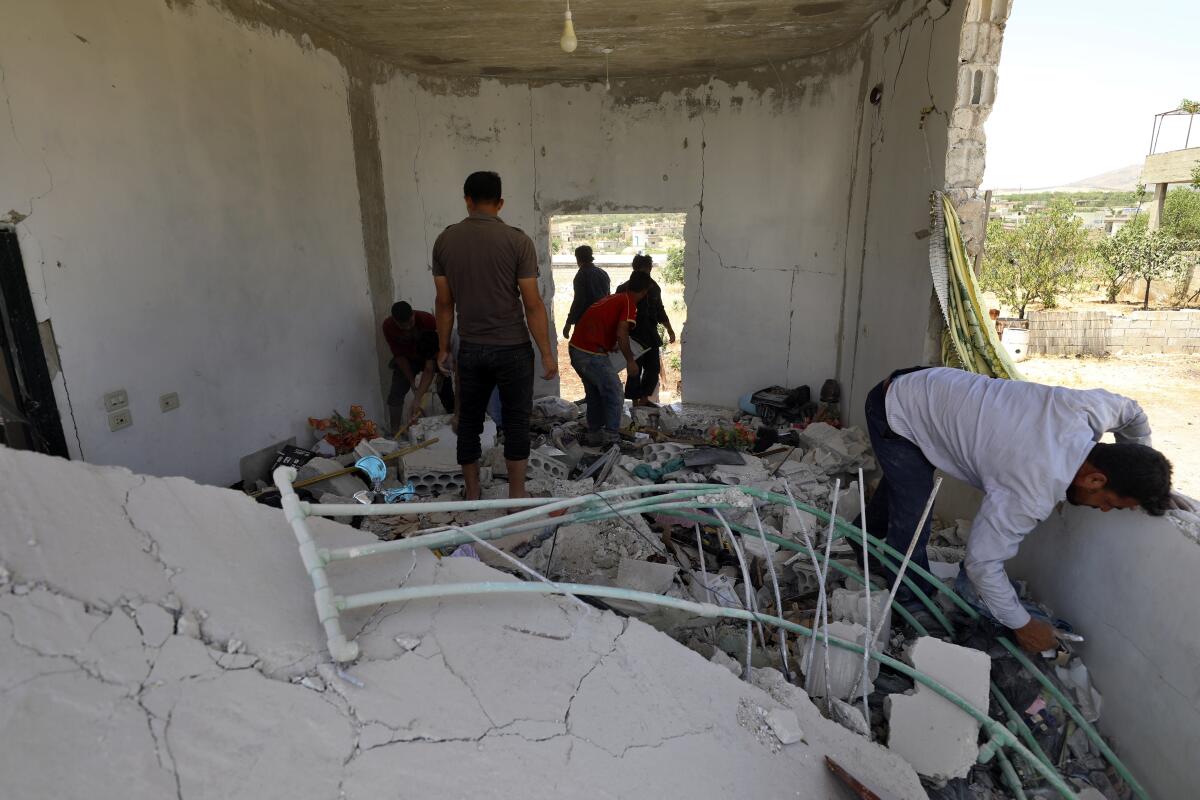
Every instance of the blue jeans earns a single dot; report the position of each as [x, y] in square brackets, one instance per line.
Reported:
[602, 389]
[482, 369]
[900, 497]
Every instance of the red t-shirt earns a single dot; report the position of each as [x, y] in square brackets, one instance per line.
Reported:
[596, 332]
[404, 343]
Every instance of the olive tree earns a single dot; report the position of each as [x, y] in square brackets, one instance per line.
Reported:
[1037, 261]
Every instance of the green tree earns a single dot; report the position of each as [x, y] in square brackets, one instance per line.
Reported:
[672, 271]
[1181, 215]
[1138, 253]
[1037, 261]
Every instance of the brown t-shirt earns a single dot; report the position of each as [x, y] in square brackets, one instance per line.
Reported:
[482, 258]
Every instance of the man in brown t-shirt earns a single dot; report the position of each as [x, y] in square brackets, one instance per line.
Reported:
[487, 271]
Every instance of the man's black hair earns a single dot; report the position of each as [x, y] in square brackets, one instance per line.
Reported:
[482, 187]
[583, 253]
[638, 282]
[427, 345]
[401, 312]
[1135, 471]
[642, 261]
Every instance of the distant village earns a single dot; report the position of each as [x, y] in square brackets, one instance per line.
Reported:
[1103, 213]
[615, 235]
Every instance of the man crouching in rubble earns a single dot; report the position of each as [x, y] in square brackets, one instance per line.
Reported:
[487, 271]
[1027, 446]
[604, 329]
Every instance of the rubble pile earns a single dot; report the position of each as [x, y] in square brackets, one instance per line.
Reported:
[159, 637]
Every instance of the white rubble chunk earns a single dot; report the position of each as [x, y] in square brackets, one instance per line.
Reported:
[156, 623]
[931, 733]
[850, 605]
[849, 717]
[785, 725]
[721, 658]
[844, 665]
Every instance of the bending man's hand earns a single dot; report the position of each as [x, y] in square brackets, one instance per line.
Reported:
[443, 361]
[1036, 636]
[631, 367]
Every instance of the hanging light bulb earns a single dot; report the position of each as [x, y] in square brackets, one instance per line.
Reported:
[606, 51]
[568, 42]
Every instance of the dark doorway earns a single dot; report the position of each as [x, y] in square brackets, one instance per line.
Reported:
[29, 417]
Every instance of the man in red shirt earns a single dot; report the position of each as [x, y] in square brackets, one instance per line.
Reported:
[603, 329]
[412, 338]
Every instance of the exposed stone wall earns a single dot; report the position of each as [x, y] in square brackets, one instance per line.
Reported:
[1064, 333]
[979, 58]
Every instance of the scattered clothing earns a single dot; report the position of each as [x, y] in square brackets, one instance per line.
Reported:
[590, 285]
[482, 258]
[1021, 443]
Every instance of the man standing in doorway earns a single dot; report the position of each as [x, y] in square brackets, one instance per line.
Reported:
[605, 329]
[487, 271]
[591, 284]
[1027, 446]
[641, 386]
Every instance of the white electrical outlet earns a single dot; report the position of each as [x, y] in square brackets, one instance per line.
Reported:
[169, 402]
[115, 400]
[120, 419]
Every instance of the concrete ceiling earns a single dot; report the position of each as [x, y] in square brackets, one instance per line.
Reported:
[519, 38]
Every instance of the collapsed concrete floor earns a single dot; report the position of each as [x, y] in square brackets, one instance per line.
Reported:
[159, 637]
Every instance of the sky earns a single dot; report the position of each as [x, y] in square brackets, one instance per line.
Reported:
[1080, 82]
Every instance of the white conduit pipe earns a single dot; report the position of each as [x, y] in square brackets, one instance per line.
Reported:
[703, 569]
[912, 545]
[787, 672]
[812, 553]
[823, 598]
[862, 505]
[523, 567]
[749, 603]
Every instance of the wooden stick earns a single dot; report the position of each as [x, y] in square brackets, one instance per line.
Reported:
[340, 472]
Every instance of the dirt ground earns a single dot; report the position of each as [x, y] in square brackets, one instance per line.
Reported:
[1166, 386]
[570, 387]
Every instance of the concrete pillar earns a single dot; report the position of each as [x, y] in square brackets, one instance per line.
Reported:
[1156, 206]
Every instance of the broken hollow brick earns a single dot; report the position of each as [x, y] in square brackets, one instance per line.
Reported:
[937, 737]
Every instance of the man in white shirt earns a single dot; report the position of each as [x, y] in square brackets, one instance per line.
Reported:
[1027, 446]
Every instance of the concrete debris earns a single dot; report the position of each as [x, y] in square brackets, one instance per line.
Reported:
[844, 665]
[850, 605]
[592, 552]
[785, 725]
[849, 717]
[94, 675]
[548, 462]
[753, 718]
[929, 731]
[343, 485]
[722, 658]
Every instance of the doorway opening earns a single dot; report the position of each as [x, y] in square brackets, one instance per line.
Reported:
[615, 239]
[29, 418]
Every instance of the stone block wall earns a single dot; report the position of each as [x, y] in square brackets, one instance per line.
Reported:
[1065, 333]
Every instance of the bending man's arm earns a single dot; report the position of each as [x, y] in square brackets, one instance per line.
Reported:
[538, 322]
[444, 309]
[996, 535]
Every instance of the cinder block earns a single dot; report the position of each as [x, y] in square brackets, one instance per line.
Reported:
[926, 729]
[1141, 324]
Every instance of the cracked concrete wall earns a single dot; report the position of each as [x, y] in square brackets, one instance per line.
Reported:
[1127, 582]
[173, 650]
[773, 166]
[189, 222]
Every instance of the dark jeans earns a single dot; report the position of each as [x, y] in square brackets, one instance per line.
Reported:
[646, 382]
[896, 506]
[602, 390]
[481, 369]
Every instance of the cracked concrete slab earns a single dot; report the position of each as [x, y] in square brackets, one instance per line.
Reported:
[481, 696]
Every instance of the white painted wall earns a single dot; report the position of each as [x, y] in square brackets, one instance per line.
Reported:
[193, 226]
[1128, 583]
[770, 166]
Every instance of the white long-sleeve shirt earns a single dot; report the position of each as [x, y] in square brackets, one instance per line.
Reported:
[1021, 443]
